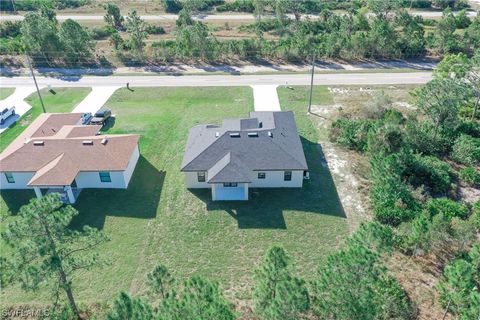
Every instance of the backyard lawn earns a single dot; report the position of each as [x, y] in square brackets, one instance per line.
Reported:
[5, 92]
[157, 220]
[64, 100]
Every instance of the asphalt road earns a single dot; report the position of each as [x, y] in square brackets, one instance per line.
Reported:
[203, 17]
[224, 80]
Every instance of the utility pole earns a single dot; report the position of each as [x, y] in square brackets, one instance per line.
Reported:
[36, 85]
[311, 82]
[13, 5]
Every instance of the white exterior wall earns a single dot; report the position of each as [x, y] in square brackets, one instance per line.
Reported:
[192, 181]
[91, 179]
[21, 180]
[274, 179]
[131, 166]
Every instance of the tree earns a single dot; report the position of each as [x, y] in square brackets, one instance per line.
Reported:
[445, 38]
[128, 308]
[160, 281]
[197, 298]
[76, 41]
[418, 234]
[353, 284]
[113, 16]
[277, 293]
[39, 35]
[171, 6]
[440, 100]
[44, 249]
[136, 29]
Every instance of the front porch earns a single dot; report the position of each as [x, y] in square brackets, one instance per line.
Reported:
[68, 194]
[230, 191]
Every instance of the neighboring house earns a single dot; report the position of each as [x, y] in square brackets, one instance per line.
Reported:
[263, 151]
[58, 154]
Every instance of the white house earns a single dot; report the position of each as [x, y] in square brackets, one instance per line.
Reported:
[58, 154]
[263, 151]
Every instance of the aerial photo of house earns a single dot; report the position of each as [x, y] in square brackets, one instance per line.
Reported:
[262, 151]
[57, 153]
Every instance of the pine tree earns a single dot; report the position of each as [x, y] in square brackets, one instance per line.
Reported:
[45, 250]
[277, 293]
[160, 281]
[128, 308]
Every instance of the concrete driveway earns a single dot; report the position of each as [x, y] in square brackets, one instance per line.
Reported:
[95, 99]
[265, 98]
[17, 99]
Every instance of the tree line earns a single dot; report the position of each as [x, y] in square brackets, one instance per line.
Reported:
[416, 164]
[389, 33]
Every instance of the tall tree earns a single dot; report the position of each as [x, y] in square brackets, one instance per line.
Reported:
[45, 250]
[353, 284]
[76, 41]
[445, 38]
[440, 100]
[277, 293]
[128, 308]
[136, 29]
[113, 16]
[39, 35]
[160, 281]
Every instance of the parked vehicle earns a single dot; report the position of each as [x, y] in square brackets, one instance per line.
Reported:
[101, 116]
[86, 118]
[7, 112]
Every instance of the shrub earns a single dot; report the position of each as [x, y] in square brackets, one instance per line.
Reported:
[352, 134]
[470, 176]
[102, 33]
[466, 150]
[448, 208]
[429, 171]
[10, 29]
[237, 6]
[154, 29]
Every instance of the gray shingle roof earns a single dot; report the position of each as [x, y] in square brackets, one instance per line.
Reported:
[229, 153]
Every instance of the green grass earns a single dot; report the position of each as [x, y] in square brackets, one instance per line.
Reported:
[5, 92]
[64, 100]
[157, 220]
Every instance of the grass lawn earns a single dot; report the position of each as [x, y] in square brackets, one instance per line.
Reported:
[157, 220]
[5, 92]
[64, 100]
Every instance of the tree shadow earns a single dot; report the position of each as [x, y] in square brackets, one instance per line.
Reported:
[265, 207]
[140, 200]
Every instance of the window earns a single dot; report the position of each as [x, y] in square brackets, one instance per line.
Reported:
[230, 184]
[105, 177]
[261, 175]
[287, 176]
[9, 177]
[201, 176]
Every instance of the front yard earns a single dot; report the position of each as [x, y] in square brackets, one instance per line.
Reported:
[158, 221]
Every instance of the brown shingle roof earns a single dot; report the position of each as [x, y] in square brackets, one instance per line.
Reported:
[62, 155]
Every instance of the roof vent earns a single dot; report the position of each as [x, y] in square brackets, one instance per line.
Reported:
[217, 134]
[235, 135]
[253, 134]
[38, 143]
[87, 142]
[270, 134]
[104, 141]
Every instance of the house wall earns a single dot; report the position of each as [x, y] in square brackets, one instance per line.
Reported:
[192, 181]
[21, 180]
[131, 166]
[91, 179]
[274, 179]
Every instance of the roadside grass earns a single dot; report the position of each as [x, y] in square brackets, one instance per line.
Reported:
[157, 220]
[5, 92]
[64, 100]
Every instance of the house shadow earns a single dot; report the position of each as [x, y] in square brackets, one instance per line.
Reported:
[14, 199]
[265, 207]
[140, 200]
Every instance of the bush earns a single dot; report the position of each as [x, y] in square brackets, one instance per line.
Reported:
[462, 20]
[154, 29]
[237, 6]
[352, 134]
[466, 150]
[429, 171]
[102, 33]
[448, 208]
[10, 29]
[470, 176]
